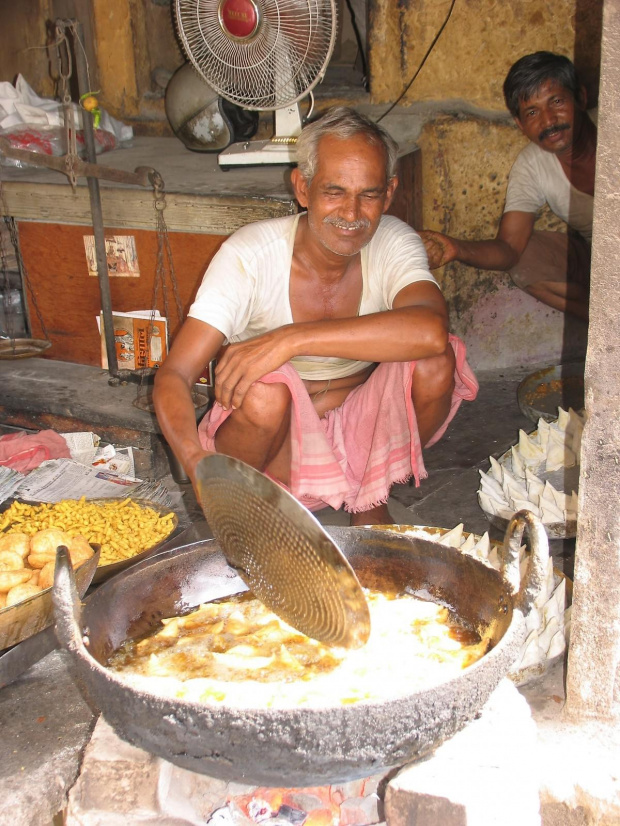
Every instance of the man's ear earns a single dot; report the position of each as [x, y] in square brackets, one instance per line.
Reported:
[300, 187]
[582, 98]
[389, 193]
[519, 124]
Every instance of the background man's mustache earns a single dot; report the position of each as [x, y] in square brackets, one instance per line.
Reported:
[551, 130]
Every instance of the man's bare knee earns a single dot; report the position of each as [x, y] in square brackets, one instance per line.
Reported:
[266, 405]
[433, 378]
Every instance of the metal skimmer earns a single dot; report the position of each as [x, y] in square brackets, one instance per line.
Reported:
[282, 552]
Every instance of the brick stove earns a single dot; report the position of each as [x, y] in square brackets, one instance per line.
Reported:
[484, 775]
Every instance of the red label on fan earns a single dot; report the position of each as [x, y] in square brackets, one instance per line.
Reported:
[239, 18]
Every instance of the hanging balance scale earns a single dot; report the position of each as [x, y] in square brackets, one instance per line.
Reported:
[73, 167]
[12, 346]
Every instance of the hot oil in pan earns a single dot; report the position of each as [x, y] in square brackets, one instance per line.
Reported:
[237, 652]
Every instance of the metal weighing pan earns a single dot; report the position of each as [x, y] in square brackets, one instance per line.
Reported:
[304, 746]
[541, 393]
[23, 348]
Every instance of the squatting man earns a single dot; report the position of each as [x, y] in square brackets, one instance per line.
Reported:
[335, 362]
[548, 104]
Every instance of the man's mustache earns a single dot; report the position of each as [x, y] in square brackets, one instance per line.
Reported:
[340, 223]
[551, 130]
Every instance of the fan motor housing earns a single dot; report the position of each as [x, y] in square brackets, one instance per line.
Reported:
[239, 19]
[200, 118]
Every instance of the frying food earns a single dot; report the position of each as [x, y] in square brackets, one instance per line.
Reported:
[238, 653]
[122, 528]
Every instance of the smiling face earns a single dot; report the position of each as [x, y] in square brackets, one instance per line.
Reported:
[347, 195]
[551, 117]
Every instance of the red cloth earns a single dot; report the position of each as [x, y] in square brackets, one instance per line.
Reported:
[355, 453]
[26, 451]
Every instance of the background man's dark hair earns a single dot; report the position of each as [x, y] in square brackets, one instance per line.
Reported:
[530, 72]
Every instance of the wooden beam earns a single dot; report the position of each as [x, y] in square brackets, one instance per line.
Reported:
[133, 208]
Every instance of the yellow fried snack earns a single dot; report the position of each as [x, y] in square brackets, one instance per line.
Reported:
[44, 544]
[79, 550]
[27, 562]
[17, 542]
[46, 575]
[21, 592]
[9, 579]
[122, 528]
[10, 561]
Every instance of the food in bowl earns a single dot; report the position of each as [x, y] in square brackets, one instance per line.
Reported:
[27, 562]
[121, 527]
[238, 653]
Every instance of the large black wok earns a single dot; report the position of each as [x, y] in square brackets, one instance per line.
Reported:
[306, 746]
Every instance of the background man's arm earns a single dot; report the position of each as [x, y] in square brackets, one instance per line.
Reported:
[416, 327]
[194, 347]
[501, 253]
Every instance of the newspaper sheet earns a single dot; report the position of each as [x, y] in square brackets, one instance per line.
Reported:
[10, 480]
[67, 479]
[85, 447]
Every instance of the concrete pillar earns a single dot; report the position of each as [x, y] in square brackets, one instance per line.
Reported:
[593, 682]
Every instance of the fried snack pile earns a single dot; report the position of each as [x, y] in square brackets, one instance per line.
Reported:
[27, 562]
[122, 528]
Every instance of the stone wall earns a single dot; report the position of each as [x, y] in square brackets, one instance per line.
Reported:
[477, 47]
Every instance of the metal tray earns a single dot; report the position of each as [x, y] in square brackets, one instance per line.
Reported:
[560, 479]
[104, 572]
[24, 619]
[541, 393]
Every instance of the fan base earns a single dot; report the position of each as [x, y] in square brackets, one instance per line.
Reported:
[257, 153]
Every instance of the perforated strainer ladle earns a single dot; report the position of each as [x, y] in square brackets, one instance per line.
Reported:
[282, 552]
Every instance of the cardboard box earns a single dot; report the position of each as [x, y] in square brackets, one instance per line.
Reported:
[141, 340]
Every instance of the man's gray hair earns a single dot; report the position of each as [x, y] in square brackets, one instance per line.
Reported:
[342, 122]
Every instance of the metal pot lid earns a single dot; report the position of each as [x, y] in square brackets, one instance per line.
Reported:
[282, 552]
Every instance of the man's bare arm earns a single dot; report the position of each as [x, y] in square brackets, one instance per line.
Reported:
[416, 327]
[194, 347]
[500, 253]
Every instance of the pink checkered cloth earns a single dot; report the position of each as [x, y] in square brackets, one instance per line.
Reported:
[355, 453]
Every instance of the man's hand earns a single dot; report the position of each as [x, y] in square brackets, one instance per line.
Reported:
[440, 249]
[248, 361]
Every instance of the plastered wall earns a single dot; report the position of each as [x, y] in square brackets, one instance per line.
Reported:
[477, 47]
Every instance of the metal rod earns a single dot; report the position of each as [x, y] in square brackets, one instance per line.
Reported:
[95, 197]
[139, 177]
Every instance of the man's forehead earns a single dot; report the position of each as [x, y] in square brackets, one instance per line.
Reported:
[547, 88]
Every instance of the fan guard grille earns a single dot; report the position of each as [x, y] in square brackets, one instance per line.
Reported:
[276, 66]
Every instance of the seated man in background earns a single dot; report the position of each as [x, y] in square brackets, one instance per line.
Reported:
[548, 104]
[338, 366]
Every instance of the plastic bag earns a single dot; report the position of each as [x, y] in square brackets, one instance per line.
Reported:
[36, 123]
[51, 140]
